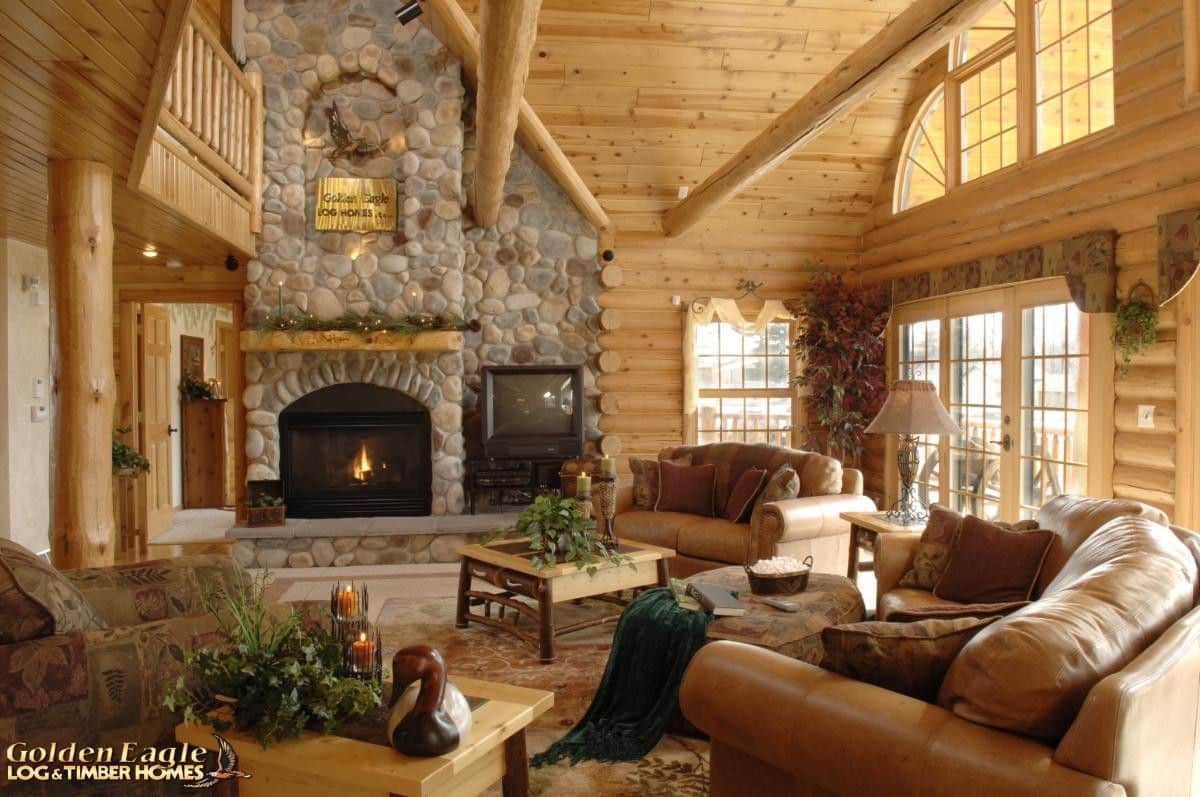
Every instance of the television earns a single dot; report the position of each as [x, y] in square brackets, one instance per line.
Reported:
[532, 411]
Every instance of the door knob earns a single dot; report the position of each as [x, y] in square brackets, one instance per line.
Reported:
[171, 429]
[1006, 443]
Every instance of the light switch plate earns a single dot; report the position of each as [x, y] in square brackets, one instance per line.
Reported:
[38, 413]
[1145, 416]
[39, 387]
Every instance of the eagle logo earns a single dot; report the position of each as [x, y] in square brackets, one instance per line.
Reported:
[227, 767]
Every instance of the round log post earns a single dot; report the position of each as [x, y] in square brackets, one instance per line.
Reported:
[81, 252]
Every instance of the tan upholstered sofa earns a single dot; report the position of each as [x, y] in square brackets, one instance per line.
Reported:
[797, 527]
[782, 727]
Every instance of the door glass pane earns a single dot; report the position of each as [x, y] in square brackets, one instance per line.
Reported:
[920, 350]
[1053, 426]
[975, 395]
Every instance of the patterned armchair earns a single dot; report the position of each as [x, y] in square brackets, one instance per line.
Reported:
[84, 653]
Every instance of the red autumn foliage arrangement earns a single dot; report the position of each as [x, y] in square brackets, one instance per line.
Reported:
[842, 361]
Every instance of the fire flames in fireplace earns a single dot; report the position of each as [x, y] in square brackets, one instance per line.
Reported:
[362, 465]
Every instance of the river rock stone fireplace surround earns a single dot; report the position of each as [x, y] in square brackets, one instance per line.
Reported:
[531, 281]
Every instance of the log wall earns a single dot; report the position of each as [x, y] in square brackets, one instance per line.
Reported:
[1123, 179]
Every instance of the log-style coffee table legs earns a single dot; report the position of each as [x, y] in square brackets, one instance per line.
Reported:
[516, 766]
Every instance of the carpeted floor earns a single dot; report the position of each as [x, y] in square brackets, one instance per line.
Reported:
[677, 767]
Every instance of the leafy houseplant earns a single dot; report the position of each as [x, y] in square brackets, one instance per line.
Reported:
[263, 500]
[277, 676]
[558, 533]
[193, 389]
[1135, 328]
[842, 361]
[127, 459]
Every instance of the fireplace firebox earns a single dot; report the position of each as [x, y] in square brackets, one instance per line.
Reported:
[355, 450]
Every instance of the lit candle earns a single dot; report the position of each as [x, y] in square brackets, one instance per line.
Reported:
[348, 602]
[583, 484]
[362, 652]
[279, 284]
[608, 466]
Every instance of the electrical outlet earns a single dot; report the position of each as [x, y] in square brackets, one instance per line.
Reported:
[38, 413]
[1145, 416]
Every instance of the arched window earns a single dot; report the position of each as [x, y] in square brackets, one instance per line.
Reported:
[923, 171]
[987, 117]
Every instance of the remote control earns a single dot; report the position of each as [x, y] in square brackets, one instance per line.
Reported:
[781, 605]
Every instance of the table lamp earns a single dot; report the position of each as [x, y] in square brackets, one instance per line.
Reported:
[912, 408]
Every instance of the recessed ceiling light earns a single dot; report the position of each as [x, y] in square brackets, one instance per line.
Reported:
[149, 251]
[174, 263]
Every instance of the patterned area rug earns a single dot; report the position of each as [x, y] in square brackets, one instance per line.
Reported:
[677, 767]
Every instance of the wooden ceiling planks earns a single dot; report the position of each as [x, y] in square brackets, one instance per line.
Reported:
[73, 81]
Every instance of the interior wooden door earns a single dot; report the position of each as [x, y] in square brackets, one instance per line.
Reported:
[156, 396]
[227, 365]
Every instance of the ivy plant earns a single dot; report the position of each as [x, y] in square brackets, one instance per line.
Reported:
[1135, 328]
[558, 534]
[126, 458]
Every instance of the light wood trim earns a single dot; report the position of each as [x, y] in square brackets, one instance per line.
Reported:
[337, 340]
[1026, 48]
[254, 142]
[163, 76]
[1187, 404]
[200, 148]
[81, 247]
[454, 28]
[637, 551]
[507, 33]
[918, 32]
[1191, 48]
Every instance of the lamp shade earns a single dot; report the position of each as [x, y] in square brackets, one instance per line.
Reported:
[913, 407]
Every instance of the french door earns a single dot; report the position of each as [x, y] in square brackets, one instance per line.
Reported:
[1013, 367]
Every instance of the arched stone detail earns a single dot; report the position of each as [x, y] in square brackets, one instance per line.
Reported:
[276, 380]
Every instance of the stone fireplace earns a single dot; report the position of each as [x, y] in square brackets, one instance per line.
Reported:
[531, 281]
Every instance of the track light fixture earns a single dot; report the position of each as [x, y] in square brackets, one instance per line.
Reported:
[408, 12]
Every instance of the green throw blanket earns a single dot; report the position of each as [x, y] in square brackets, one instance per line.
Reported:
[639, 695]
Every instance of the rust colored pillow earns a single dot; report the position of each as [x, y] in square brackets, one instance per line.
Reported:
[909, 658]
[741, 497]
[991, 564]
[686, 488]
[645, 479]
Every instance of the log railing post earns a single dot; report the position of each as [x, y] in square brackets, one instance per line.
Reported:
[81, 252]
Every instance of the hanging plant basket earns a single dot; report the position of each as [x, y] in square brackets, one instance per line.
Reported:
[1135, 325]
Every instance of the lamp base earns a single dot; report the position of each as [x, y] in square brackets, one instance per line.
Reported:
[907, 513]
[908, 509]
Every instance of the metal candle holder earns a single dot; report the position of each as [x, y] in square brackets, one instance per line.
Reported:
[352, 664]
[348, 607]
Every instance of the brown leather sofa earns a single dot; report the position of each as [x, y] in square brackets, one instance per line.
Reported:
[803, 526]
[783, 727]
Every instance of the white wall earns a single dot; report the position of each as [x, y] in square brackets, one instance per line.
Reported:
[198, 321]
[24, 356]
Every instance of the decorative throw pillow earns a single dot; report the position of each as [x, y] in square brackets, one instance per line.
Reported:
[686, 488]
[783, 484]
[990, 564]
[645, 479]
[933, 550]
[954, 611]
[909, 658]
[36, 601]
[741, 497]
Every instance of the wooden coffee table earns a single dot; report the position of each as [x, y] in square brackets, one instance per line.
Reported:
[506, 564]
[864, 528]
[319, 765]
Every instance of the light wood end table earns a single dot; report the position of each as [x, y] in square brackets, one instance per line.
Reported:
[865, 527]
[320, 765]
[506, 564]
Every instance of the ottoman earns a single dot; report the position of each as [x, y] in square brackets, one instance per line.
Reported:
[829, 600]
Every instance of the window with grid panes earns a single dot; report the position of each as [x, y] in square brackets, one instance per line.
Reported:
[920, 354]
[746, 393]
[1074, 69]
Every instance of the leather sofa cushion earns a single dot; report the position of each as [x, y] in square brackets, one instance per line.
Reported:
[1030, 672]
[909, 658]
[646, 525]
[989, 564]
[1073, 519]
[715, 539]
[686, 488]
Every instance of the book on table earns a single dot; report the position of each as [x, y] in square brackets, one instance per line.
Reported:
[717, 600]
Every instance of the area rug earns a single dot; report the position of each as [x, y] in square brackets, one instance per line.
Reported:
[678, 765]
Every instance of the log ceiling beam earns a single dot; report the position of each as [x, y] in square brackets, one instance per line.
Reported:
[914, 35]
[454, 28]
[507, 32]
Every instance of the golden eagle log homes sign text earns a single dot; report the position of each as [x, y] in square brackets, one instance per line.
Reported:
[353, 204]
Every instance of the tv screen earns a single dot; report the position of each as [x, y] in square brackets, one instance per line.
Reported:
[532, 410]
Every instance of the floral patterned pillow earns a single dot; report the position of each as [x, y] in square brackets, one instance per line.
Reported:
[933, 551]
[783, 484]
[36, 601]
[645, 479]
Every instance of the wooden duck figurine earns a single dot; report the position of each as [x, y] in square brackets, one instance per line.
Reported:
[432, 722]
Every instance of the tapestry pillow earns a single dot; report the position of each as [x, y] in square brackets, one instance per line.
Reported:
[933, 549]
[645, 479]
[953, 611]
[783, 485]
[1030, 672]
[36, 601]
[909, 658]
[990, 564]
[686, 488]
[741, 497]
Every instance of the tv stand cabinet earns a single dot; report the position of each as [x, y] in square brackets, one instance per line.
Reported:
[520, 477]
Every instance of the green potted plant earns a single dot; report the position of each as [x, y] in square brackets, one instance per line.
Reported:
[127, 460]
[264, 509]
[273, 677]
[193, 389]
[558, 533]
[1135, 328]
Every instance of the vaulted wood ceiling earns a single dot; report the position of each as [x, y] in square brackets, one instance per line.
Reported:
[646, 96]
[73, 81]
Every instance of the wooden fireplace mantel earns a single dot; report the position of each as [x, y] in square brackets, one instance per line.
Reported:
[338, 340]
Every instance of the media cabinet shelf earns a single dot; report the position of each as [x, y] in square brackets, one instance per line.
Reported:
[338, 340]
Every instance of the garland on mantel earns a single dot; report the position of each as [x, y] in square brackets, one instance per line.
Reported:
[366, 324]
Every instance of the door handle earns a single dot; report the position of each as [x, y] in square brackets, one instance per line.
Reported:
[1006, 443]
[171, 429]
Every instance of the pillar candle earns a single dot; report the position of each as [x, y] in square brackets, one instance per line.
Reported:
[363, 652]
[348, 602]
[583, 484]
[608, 466]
